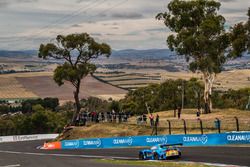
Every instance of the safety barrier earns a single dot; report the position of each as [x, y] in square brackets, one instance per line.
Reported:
[18, 138]
[137, 141]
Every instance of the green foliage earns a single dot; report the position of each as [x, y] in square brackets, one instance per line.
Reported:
[201, 35]
[37, 108]
[66, 72]
[41, 121]
[77, 51]
[168, 95]
[4, 109]
[232, 98]
[48, 103]
[114, 105]
[165, 96]
[94, 104]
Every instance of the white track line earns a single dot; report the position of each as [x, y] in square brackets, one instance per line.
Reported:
[63, 155]
[16, 165]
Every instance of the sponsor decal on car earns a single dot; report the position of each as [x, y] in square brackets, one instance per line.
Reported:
[203, 139]
[128, 141]
[95, 142]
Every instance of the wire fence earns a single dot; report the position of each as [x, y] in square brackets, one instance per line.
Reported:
[199, 126]
[164, 126]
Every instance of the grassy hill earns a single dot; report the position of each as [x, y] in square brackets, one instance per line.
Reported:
[130, 128]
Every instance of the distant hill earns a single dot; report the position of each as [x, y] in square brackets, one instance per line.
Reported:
[18, 53]
[143, 54]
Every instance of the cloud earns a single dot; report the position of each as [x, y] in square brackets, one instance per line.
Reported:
[155, 29]
[80, 1]
[131, 24]
[8, 2]
[76, 25]
[96, 34]
[227, 0]
[3, 4]
[127, 15]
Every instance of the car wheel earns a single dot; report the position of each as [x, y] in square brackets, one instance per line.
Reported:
[156, 156]
[141, 156]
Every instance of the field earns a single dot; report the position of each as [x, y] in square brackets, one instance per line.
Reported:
[138, 78]
[41, 84]
[10, 88]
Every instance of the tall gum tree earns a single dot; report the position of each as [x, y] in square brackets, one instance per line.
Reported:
[199, 34]
[76, 51]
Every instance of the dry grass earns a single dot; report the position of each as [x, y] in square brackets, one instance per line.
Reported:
[193, 125]
[228, 122]
[108, 130]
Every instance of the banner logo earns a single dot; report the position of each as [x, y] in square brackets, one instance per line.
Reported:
[238, 137]
[128, 141]
[162, 140]
[72, 144]
[203, 139]
[96, 142]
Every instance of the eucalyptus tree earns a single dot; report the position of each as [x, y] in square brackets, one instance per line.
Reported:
[200, 35]
[77, 51]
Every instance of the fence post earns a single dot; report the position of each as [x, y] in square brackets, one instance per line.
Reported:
[185, 126]
[201, 126]
[218, 124]
[237, 123]
[169, 127]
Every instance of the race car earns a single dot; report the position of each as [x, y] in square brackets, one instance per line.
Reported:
[161, 152]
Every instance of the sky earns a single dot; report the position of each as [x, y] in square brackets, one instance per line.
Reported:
[124, 24]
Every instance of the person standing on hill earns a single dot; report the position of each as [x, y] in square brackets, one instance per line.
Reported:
[151, 118]
[179, 112]
[157, 119]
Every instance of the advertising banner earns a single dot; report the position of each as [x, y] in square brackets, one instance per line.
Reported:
[137, 141]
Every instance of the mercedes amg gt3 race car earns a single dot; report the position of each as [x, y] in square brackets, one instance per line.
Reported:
[161, 152]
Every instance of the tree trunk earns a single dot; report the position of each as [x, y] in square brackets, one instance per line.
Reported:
[208, 80]
[77, 103]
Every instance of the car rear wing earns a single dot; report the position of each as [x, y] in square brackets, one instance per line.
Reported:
[175, 144]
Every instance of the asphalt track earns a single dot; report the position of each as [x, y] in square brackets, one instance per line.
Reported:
[26, 154]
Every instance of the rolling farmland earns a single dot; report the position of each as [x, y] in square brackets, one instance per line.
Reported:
[130, 80]
[41, 84]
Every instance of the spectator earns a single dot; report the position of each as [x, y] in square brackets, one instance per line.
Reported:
[125, 118]
[151, 118]
[179, 112]
[157, 119]
[198, 113]
[102, 116]
[144, 117]
[120, 117]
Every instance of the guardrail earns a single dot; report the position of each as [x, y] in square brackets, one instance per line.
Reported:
[137, 141]
[18, 138]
